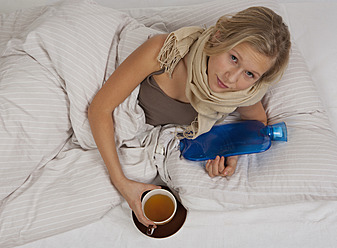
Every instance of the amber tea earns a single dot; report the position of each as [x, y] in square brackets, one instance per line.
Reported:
[159, 207]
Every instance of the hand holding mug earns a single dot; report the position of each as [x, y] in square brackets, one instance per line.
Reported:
[132, 192]
[159, 206]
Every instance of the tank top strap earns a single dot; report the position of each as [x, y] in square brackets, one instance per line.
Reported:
[157, 72]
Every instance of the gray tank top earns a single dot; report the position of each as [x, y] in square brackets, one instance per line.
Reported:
[159, 108]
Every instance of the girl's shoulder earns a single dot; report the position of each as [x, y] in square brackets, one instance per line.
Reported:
[155, 43]
[158, 39]
[146, 55]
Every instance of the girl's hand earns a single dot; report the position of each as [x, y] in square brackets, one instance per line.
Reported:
[221, 166]
[132, 192]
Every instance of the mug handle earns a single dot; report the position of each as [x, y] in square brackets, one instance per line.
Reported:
[150, 229]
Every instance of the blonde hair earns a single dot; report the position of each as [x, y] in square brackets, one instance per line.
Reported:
[261, 28]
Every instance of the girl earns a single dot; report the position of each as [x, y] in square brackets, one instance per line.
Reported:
[201, 75]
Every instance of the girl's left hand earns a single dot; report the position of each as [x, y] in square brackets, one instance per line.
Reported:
[221, 166]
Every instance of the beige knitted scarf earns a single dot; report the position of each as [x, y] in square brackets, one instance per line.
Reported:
[211, 106]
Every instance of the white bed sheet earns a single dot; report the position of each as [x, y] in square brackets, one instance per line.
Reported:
[298, 225]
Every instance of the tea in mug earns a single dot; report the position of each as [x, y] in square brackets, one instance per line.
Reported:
[159, 207]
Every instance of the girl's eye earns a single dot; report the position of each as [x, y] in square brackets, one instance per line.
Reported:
[249, 74]
[234, 58]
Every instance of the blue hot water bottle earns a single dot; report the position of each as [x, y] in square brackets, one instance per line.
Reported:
[237, 138]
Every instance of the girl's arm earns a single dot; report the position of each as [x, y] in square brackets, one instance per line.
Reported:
[254, 112]
[118, 87]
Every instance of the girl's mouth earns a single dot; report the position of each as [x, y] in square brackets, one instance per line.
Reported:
[221, 84]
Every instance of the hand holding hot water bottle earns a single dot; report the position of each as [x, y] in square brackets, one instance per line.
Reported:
[237, 138]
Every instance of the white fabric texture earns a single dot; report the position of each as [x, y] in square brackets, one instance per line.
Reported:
[53, 61]
[62, 55]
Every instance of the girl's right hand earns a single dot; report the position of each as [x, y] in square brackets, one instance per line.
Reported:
[132, 192]
[221, 166]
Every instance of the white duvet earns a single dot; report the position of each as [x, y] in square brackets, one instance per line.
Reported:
[54, 60]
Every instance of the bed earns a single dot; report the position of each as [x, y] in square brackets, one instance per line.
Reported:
[54, 189]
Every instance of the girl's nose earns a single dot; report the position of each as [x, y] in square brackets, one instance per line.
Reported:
[233, 75]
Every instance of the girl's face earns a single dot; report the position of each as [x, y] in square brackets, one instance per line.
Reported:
[237, 69]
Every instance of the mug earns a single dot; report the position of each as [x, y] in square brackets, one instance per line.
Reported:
[160, 206]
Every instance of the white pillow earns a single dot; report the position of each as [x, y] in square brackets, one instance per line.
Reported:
[318, 47]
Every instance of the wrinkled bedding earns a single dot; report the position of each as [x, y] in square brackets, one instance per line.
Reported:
[54, 60]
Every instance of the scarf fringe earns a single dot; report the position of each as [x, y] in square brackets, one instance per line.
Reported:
[191, 130]
[169, 55]
[187, 131]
